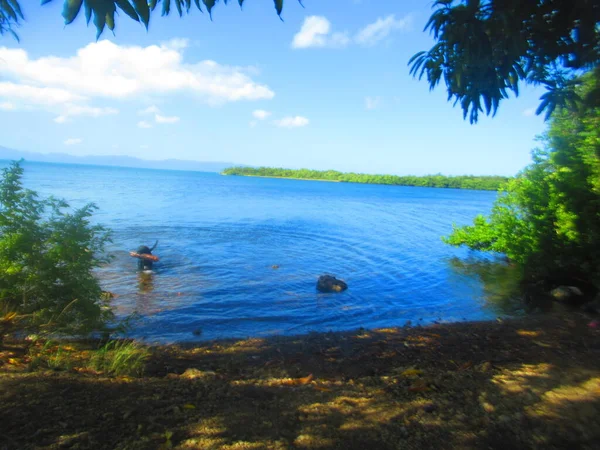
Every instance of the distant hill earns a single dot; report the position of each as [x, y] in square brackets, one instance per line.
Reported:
[115, 160]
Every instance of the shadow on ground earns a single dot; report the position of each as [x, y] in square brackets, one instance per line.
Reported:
[527, 383]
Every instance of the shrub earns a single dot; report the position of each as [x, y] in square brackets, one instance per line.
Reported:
[547, 219]
[47, 256]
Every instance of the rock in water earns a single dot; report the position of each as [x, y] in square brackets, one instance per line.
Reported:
[328, 283]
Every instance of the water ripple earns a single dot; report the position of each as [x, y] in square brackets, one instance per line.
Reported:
[219, 238]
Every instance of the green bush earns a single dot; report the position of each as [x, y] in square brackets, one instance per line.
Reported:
[47, 256]
[547, 219]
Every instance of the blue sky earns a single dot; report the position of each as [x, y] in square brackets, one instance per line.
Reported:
[327, 88]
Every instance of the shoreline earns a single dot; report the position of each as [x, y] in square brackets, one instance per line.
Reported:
[356, 182]
[289, 178]
[502, 384]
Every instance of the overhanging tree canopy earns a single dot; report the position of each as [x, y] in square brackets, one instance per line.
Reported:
[485, 48]
[103, 12]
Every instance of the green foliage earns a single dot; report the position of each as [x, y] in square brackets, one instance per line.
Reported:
[548, 218]
[488, 183]
[47, 254]
[120, 358]
[484, 48]
[105, 11]
[10, 16]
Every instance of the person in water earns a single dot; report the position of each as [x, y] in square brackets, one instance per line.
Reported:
[143, 263]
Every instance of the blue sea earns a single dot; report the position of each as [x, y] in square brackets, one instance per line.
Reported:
[220, 238]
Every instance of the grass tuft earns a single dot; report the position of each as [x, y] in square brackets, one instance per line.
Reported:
[120, 358]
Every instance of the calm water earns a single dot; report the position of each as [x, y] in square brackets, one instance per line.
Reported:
[220, 236]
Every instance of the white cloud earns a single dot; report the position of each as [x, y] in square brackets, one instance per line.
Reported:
[105, 69]
[260, 114]
[373, 102]
[158, 118]
[529, 112]
[176, 43]
[71, 109]
[73, 141]
[381, 28]
[316, 32]
[35, 95]
[49, 98]
[149, 110]
[6, 106]
[164, 119]
[84, 110]
[292, 122]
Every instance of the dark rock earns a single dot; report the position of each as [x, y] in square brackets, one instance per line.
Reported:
[570, 295]
[328, 283]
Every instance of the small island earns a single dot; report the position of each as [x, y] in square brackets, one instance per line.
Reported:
[484, 183]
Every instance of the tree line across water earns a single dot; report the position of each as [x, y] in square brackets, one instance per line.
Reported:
[486, 183]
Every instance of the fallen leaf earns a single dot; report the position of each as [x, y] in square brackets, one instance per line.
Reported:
[411, 373]
[486, 366]
[322, 389]
[465, 366]
[298, 381]
[419, 386]
[189, 406]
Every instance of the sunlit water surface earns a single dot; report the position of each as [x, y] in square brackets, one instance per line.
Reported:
[219, 238]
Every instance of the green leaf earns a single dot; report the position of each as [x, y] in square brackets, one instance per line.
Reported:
[110, 16]
[209, 6]
[88, 11]
[5, 7]
[110, 21]
[126, 7]
[99, 19]
[278, 6]
[71, 9]
[141, 7]
[16, 7]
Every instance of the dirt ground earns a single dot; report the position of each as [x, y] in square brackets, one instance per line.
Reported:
[516, 384]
